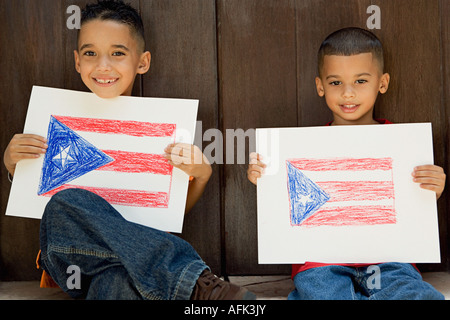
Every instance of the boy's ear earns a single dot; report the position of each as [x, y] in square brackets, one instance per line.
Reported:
[384, 83]
[77, 61]
[144, 63]
[319, 86]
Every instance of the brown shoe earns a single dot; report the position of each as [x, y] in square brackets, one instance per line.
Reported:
[210, 287]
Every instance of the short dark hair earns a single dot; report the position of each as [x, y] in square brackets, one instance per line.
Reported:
[351, 41]
[116, 10]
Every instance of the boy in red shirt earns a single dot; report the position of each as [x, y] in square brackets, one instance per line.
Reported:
[350, 78]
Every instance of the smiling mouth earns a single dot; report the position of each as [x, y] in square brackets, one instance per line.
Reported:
[349, 107]
[106, 81]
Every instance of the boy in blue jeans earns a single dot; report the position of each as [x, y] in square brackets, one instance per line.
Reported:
[350, 78]
[118, 259]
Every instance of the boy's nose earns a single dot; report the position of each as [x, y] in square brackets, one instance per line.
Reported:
[348, 92]
[104, 64]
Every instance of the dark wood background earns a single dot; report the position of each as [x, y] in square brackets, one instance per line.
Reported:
[252, 64]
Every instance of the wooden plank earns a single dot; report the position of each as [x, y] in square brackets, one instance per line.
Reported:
[444, 205]
[30, 40]
[257, 89]
[413, 59]
[181, 35]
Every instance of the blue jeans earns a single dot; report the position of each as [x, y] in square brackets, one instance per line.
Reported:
[117, 259]
[392, 281]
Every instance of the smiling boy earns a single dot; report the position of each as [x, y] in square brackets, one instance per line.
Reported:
[108, 59]
[118, 259]
[350, 78]
[350, 85]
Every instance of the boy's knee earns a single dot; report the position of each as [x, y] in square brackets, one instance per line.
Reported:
[66, 199]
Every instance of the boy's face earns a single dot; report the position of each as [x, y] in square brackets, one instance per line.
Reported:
[108, 58]
[350, 85]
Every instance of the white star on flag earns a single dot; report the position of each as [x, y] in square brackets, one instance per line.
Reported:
[63, 158]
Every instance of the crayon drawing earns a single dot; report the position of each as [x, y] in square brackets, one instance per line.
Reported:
[70, 156]
[346, 192]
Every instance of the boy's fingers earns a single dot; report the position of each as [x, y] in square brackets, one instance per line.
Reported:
[429, 170]
[429, 167]
[29, 149]
[174, 159]
[428, 181]
[254, 167]
[32, 136]
[30, 139]
[429, 177]
[24, 156]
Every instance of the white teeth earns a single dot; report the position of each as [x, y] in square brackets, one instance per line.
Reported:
[105, 81]
[349, 106]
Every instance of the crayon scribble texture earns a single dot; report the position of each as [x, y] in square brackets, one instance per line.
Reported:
[350, 192]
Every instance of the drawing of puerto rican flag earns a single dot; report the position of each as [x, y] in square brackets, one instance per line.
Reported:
[341, 192]
[121, 161]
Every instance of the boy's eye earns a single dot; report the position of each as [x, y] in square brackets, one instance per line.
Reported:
[335, 83]
[118, 54]
[89, 53]
[361, 81]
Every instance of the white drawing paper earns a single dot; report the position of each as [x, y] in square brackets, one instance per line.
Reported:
[345, 194]
[112, 147]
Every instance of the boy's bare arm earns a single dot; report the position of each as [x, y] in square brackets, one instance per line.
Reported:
[191, 160]
[23, 146]
[430, 177]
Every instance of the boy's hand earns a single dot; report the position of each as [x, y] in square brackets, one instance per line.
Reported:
[430, 177]
[190, 159]
[255, 168]
[23, 146]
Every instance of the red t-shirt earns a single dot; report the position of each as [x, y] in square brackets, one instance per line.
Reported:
[296, 268]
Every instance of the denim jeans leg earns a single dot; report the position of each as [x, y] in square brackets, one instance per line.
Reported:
[325, 283]
[113, 283]
[79, 228]
[401, 281]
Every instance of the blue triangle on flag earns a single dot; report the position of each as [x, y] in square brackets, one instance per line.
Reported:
[68, 157]
[306, 197]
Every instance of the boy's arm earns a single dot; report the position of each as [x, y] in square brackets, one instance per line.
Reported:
[23, 146]
[430, 177]
[191, 160]
[255, 168]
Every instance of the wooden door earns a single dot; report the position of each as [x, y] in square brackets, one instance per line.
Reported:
[251, 63]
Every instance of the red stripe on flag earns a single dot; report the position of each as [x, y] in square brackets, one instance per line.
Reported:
[352, 215]
[131, 128]
[134, 162]
[384, 164]
[358, 190]
[133, 198]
